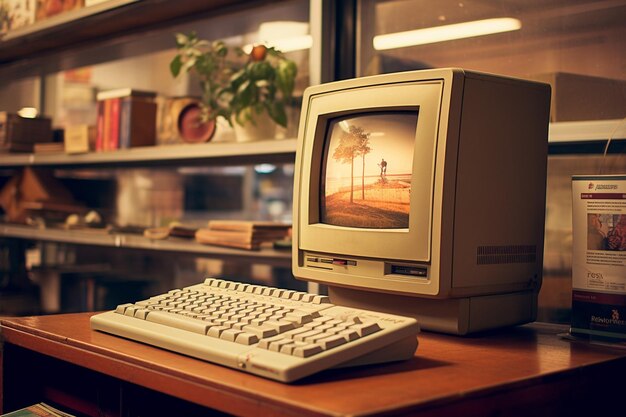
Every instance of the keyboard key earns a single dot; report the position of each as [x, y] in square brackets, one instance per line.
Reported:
[366, 328]
[307, 350]
[265, 343]
[277, 345]
[216, 331]
[308, 298]
[261, 331]
[246, 338]
[297, 296]
[331, 342]
[299, 317]
[350, 335]
[141, 313]
[287, 294]
[175, 320]
[321, 299]
[122, 307]
[230, 334]
[130, 311]
[292, 333]
[305, 335]
[315, 338]
[281, 326]
[288, 348]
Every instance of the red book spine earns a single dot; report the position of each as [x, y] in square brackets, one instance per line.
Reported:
[100, 126]
[114, 138]
[106, 137]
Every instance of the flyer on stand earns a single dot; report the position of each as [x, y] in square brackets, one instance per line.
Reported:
[599, 256]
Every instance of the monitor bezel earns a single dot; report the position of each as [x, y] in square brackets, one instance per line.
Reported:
[412, 244]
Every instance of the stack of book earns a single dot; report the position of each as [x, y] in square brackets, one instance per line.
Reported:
[242, 234]
[126, 118]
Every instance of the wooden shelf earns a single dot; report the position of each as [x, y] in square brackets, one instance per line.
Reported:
[97, 237]
[267, 150]
[107, 20]
[587, 131]
[224, 152]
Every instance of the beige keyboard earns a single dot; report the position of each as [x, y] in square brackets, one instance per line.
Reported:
[279, 334]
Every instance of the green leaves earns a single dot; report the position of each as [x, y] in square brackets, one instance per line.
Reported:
[285, 77]
[176, 65]
[243, 87]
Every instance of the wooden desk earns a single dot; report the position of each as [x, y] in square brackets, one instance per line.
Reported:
[521, 371]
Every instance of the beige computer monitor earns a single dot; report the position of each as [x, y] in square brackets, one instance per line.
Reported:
[451, 231]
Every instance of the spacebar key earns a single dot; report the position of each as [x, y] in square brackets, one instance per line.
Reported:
[179, 322]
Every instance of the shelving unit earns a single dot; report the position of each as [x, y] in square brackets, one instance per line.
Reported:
[98, 35]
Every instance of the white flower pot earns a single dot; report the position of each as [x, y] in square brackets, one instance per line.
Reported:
[263, 128]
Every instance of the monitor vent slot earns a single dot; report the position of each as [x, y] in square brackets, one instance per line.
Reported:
[508, 254]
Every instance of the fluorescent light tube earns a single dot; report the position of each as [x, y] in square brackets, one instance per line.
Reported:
[446, 33]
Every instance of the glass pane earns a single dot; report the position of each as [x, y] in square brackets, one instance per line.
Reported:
[518, 37]
[579, 47]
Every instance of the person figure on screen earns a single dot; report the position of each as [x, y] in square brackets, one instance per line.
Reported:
[616, 238]
[383, 167]
[596, 239]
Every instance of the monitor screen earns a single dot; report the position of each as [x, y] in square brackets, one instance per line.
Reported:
[367, 170]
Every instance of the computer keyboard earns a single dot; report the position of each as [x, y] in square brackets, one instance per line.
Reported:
[279, 334]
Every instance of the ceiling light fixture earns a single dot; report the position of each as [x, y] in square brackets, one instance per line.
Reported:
[446, 33]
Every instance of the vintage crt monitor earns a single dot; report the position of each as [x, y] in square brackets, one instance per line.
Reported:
[423, 193]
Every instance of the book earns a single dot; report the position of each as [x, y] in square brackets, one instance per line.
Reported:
[49, 147]
[248, 226]
[242, 234]
[125, 92]
[137, 123]
[38, 410]
[126, 118]
[114, 121]
[107, 125]
[209, 237]
[100, 126]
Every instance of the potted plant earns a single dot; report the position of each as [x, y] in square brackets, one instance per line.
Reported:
[251, 90]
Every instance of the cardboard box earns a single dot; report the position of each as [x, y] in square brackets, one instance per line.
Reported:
[599, 257]
[581, 97]
[19, 134]
[79, 139]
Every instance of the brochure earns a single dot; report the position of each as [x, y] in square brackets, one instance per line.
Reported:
[599, 256]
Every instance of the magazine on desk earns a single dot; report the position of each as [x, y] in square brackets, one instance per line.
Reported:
[38, 410]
